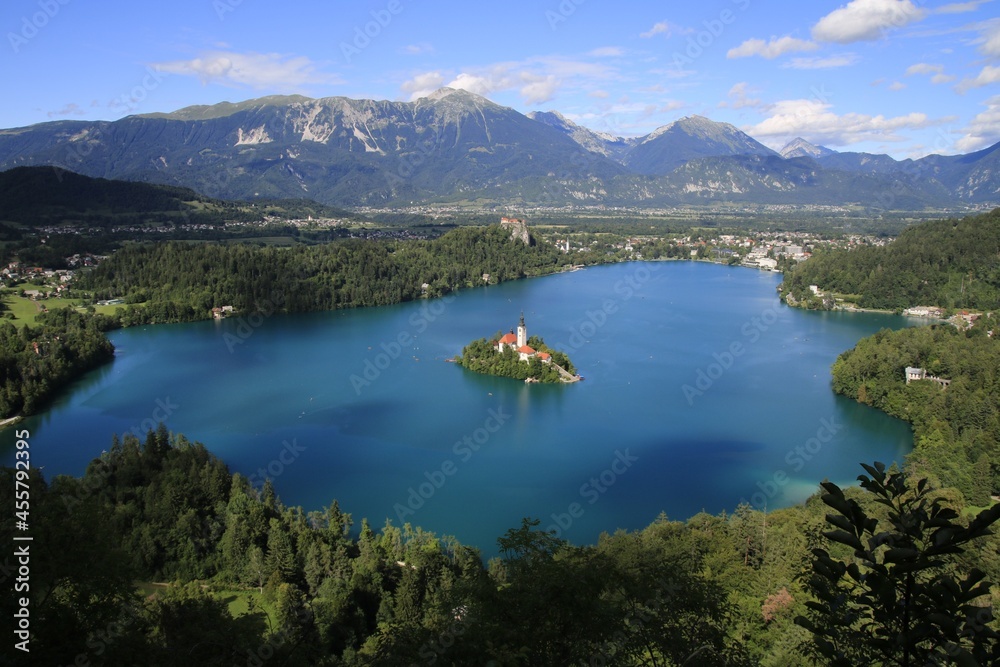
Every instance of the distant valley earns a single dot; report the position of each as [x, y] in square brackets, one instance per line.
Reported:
[457, 147]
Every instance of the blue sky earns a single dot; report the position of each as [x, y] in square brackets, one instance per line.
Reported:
[903, 77]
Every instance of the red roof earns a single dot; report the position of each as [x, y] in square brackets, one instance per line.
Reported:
[544, 355]
[524, 349]
[508, 339]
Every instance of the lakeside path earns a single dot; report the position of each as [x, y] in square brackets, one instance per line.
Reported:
[4, 423]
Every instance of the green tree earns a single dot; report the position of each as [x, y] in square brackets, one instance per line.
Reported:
[256, 567]
[982, 482]
[280, 554]
[897, 602]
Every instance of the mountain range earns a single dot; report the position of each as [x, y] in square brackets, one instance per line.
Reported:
[455, 146]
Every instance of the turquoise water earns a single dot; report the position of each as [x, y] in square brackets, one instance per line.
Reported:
[701, 390]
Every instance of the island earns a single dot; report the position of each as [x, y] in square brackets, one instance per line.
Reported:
[519, 357]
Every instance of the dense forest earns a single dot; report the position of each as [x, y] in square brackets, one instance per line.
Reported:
[946, 263]
[36, 362]
[197, 277]
[254, 582]
[956, 429]
[481, 356]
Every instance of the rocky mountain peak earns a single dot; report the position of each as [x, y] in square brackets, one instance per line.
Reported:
[799, 147]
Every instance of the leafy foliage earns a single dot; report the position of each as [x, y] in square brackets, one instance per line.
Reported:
[895, 601]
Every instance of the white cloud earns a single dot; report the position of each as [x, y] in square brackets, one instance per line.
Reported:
[989, 74]
[599, 94]
[480, 85]
[936, 72]
[661, 28]
[538, 89]
[536, 80]
[828, 62]
[991, 41]
[418, 49]
[896, 85]
[772, 49]
[423, 85]
[924, 68]
[626, 118]
[865, 20]
[960, 7]
[813, 118]
[983, 130]
[740, 97]
[70, 109]
[607, 52]
[251, 70]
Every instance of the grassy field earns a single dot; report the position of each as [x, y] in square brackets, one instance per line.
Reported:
[108, 310]
[25, 309]
[238, 602]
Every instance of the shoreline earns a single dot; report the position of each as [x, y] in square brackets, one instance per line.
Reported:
[10, 421]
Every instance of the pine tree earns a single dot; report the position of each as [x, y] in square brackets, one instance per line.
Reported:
[280, 556]
[982, 482]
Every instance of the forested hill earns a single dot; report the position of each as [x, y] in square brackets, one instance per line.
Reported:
[956, 431]
[36, 362]
[44, 196]
[947, 263]
[186, 281]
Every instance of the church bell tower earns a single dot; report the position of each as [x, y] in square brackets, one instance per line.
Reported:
[522, 332]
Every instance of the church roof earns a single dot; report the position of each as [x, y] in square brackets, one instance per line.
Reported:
[526, 349]
[509, 338]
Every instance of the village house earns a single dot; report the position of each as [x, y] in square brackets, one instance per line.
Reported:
[913, 374]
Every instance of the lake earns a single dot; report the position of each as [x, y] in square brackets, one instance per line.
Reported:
[702, 391]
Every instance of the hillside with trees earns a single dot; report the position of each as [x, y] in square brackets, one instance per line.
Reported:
[51, 196]
[342, 274]
[956, 429]
[947, 263]
[36, 362]
[254, 581]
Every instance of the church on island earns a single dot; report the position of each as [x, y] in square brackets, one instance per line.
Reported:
[511, 355]
[519, 343]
